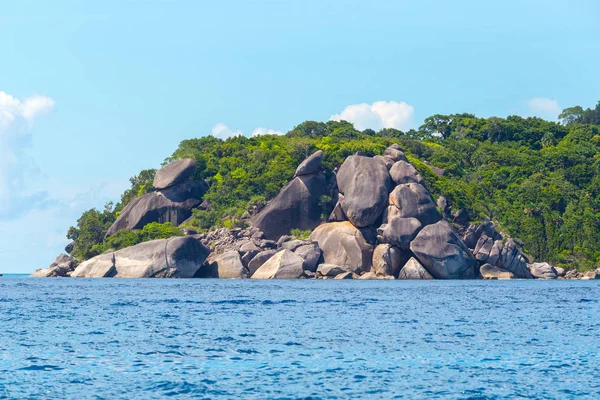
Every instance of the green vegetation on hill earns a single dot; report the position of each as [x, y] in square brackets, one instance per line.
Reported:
[538, 180]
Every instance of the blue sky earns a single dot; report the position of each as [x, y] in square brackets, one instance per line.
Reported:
[93, 92]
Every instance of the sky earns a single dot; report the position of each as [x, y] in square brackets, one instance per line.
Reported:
[93, 92]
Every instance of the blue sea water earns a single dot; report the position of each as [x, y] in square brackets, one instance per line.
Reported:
[143, 339]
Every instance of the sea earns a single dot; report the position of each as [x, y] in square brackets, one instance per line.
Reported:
[66, 338]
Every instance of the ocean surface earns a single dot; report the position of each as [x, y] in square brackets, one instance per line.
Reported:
[245, 339]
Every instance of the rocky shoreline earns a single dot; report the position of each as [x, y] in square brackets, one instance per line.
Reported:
[384, 224]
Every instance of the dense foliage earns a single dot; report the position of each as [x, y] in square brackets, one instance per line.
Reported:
[538, 180]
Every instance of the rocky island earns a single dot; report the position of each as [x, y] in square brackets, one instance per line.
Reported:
[381, 223]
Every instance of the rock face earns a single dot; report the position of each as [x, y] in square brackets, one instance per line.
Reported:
[387, 260]
[414, 201]
[414, 270]
[61, 267]
[330, 270]
[513, 260]
[395, 152]
[310, 254]
[365, 184]
[399, 231]
[542, 270]
[229, 266]
[443, 253]
[296, 206]
[283, 265]
[343, 244]
[177, 257]
[403, 172]
[174, 173]
[489, 271]
[258, 260]
[173, 204]
[311, 164]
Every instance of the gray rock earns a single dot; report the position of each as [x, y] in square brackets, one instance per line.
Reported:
[283, 265]
[495, 252]
[395, 154]
[414, 201]
[292, 245]
[70, 247]
[542, 270]
[365, 184]
[443, 253]
[102, 266]
[296, 206]
[229, 265]
[414, 270]
[62, 266]
[173, 205]
[400, 231]
[387, 260]
[330, 270]
[268, 244]
[388, 161]
[483, 248]
[259, 259]
[248, 245]
[489, 271]
[403, 172]
[513, 260]
[560, 272]
[337, 215]
[248, 256]
[283, 239]
[174, 173]
[343, 244]
[311, 164]
[177, 257]
[345, 275]
[310, 253]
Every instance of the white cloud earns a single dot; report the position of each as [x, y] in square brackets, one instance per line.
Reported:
[16, 120]
[380, 114]
[222, 131]
[265, 131]
[544, 107]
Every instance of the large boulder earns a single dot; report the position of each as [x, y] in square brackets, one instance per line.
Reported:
[174, 173]
[343, 244]
[513, 260]
[414, 270]
[414, 201]
[296, 206]
[173, 204]
[489, 271]
[443, 253]
[403, 172]
[311, 164]
[365, 184]
[229, 266]
[61, 267]
[259, 259]
[387, 260]
[310, 254]
[542, 270]
[177, 257]
[399, 231]
[330, 270]
[395, 153]
[283, 265]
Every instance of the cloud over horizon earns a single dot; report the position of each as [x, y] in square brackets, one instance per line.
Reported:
[544, 107]
[16, 121]
[222, 131]
[379, 115]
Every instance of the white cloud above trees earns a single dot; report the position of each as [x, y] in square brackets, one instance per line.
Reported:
[378, 115]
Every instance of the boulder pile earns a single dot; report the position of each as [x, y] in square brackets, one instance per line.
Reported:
[384, 225]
